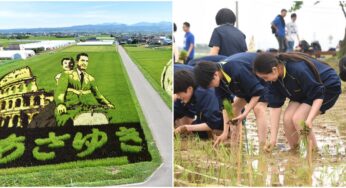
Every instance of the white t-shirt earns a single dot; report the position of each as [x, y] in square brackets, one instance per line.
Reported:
[292, 31]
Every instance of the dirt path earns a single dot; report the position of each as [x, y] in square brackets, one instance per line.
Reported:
[159, 119]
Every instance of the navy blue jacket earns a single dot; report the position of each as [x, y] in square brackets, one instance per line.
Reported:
[244, 83]
[178, 67]
[222, 92]
[300, 84]
[210, 58]
[207, 108]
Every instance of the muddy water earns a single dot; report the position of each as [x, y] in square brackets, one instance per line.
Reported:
[197, 164]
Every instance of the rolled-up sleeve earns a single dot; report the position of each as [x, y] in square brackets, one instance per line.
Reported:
[215, 39]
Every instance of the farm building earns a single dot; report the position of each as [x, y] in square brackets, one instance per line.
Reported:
[96, 43]
[16, 54]
[46, 45]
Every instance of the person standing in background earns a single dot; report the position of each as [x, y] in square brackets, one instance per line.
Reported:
[278, 28]
[189, 42]
[292, 32]
[175, 48]
[226, 39]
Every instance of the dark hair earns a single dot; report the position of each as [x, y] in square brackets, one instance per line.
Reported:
[204, 73]
[183, 79]
[342, 68]
[187, 24]
[71, 63]
[80, 55]
[225, 15]
[266, 61]
[174, 27]
[283, 10]
[293, 15]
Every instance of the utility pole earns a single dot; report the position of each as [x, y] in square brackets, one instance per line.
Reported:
[237, 14]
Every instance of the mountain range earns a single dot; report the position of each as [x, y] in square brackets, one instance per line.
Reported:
[105, 27]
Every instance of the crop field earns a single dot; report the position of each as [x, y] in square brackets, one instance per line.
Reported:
[197, 163]
[112, 81]
[152, 63]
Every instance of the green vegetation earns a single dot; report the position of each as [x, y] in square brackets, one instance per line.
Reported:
[129, 148]
[42, 156]
[151, 61]
[104, 66]
[53, 142]
[110, 171]
[128, 134]
[197, 163]
[8, 144]
[92, 142]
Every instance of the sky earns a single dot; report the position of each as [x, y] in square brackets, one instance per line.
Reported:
[61, 14]
[315, 22]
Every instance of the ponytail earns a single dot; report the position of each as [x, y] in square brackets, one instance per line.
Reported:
[298, 57]
[266, 61]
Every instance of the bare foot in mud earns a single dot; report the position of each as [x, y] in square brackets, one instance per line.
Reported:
[268, 148]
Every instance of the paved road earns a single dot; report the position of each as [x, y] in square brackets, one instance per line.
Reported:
[159, 119]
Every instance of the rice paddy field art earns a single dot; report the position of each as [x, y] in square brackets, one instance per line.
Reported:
[109, 136]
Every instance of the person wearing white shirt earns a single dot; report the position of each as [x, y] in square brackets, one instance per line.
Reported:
[292, 32]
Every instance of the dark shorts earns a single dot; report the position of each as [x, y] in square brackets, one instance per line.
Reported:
[328, 101]
[181, 110]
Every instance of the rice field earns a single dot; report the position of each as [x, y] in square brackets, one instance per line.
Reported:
[151, 62]
[197, 163]
[104, 66]
[112, 81]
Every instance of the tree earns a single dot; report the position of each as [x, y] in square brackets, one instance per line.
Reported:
[298, 4]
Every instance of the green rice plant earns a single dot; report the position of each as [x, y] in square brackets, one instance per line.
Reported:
[129, 148]
[126, 135]
[13, 143]
[92, 141]
[42, 156]
[304, 133]
[183, 55]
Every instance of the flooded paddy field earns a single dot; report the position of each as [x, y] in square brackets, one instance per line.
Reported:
[197, 163]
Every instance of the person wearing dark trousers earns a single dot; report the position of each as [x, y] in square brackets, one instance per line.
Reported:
[278, 28]
[226, 39]
[189, 42]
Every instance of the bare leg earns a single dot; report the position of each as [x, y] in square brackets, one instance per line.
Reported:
[289, 128]
[300, 115]
[237, 107]
[260, 113]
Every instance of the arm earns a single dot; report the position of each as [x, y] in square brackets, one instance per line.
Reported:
[215, 43]
[99, 97]
[190, 49]
[275, 22]
[214, 50]
[226, 128]
[60, 93]
[315, 110]
[247, 108]
[198, 127]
